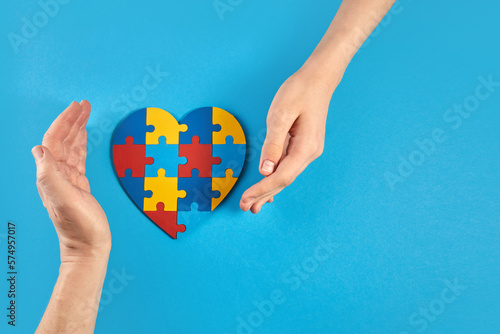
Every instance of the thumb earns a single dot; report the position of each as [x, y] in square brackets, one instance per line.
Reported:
[272, 150]
[49, 178]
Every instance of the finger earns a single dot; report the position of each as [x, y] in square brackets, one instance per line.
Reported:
[80, 145]
[51, 182]
[288, 169]
[264, 198]
[255, 208]
[85, 112]
[61, 128]
[82, 153]
[256, 193]
[75, 152]
[81, 122]
[63, 124]
[278, 126]
[73, 142]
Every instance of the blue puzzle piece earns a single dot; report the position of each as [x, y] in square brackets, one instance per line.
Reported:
[232, 157]
[134, 186]
[165, 156]
[200, 123]
[198, 190]
[192, 218]
[134, 126]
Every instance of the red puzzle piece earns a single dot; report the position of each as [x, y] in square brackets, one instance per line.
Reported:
[131, 157]
[166, 220]
[199, 156]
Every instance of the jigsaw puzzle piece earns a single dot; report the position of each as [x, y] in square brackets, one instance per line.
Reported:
[199, 123]
[164, 190]
[134, 187]
[232, 157]
[166, 156]
[229, 127]
[223, 185]
[166, 220]
[134, 126]
[192, 218]
[198, 190]
[131, 156]
[165, 125]
[199, 156]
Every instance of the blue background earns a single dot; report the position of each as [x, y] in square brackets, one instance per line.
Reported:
[393, 247]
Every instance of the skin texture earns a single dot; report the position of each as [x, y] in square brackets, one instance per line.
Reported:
[295, 137]
[80, 223]
[296, 120]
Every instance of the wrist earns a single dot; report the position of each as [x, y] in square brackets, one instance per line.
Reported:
[97, 264]
[94, 267]
[78, 288]
[88, 249]
[96, 256]
[323, 73]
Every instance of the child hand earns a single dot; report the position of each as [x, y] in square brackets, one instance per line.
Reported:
[295, 135]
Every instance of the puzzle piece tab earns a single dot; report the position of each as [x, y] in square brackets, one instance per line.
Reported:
[166, 156]
[166, 220]
[232, 157]
[131, 156]
[134, 186]
[223, 185]
[164, 190]
[191, 219]
[199, 123]
[199, 156]
[198, 190]
[133, 126]
[177, 173]
[229, 127]
[165, 125]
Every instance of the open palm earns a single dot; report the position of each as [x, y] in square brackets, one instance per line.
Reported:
[79, 220]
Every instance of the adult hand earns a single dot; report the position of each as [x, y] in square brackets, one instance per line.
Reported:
[80, 222]
[295, 135]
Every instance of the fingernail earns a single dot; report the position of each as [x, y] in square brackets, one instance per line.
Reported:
[37, 153]
[268, 166]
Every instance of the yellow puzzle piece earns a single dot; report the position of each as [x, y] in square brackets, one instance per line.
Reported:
[164, 190]
[224, 185]
[165, 125]
[229, 127]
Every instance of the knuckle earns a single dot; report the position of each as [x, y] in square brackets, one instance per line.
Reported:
[305, 149]
[277, 119]
[316, 148]
[275, 115]
[318, 151]
[272, 148]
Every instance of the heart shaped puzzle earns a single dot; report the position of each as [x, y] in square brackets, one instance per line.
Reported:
[165, 166]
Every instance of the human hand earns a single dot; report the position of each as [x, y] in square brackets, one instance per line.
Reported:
[80, 222]
[295, 135]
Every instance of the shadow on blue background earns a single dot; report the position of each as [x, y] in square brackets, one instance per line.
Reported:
[386, 254]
